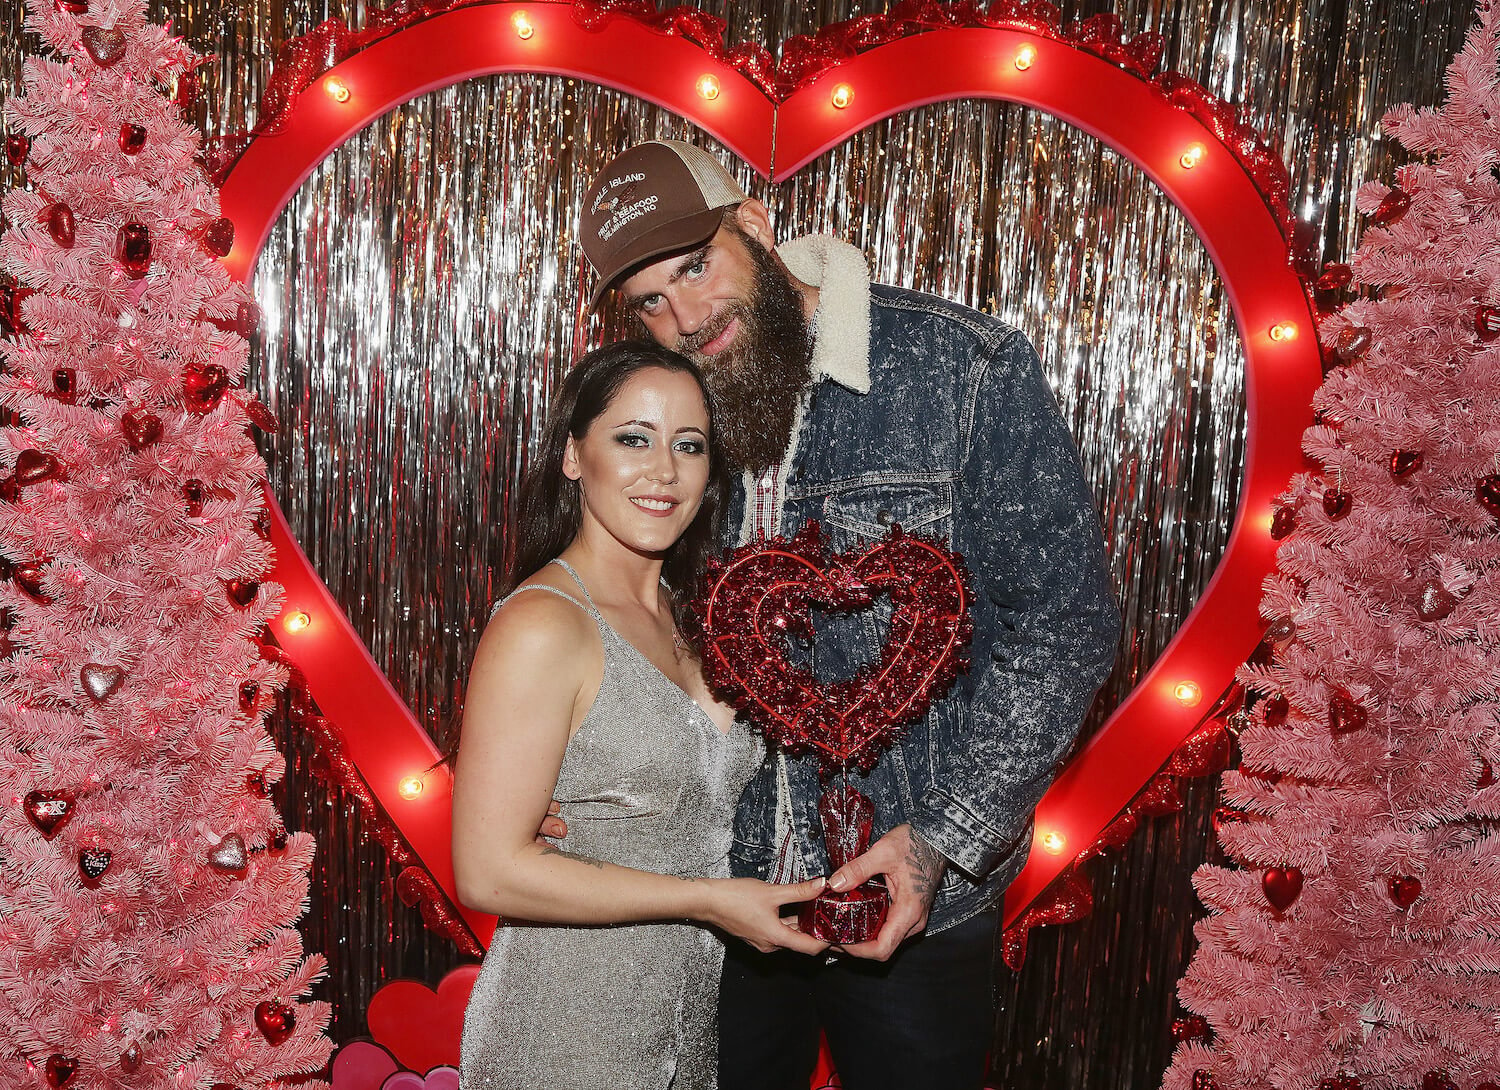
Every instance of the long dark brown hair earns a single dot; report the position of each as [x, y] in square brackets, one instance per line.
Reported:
[550, 511]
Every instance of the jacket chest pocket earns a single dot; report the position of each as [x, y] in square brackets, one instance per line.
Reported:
[869, 510]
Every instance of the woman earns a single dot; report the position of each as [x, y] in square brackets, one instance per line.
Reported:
[582, 690]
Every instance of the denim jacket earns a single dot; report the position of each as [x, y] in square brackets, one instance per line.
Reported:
[934, 416]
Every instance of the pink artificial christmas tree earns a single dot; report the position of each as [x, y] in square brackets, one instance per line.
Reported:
[147, 890]
[1358, 943]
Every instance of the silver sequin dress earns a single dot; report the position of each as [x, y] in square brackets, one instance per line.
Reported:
[647, 781]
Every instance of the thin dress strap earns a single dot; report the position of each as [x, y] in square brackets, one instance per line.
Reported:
[565, 566]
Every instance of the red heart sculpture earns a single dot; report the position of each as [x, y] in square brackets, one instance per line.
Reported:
[763, 592]
[422, 1029]
[1149, 121]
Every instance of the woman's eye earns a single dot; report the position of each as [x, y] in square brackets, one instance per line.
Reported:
[691, 446]
[633, 439]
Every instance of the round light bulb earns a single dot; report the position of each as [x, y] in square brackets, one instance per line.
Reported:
[522, 24]
[843, 94]
[1054, 842]
[1025, 57]
[1284, 331]
[297, 621]
[1187, 693]
[708, 87]
[410, 787]
[337, 89]
[1192, 157]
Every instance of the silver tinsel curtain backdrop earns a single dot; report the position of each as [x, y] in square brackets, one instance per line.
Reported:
[423, 293]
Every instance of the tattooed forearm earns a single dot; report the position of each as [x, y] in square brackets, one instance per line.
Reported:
[585, 860]
[925, 863]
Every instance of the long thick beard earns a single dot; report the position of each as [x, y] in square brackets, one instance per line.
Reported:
[757, 383]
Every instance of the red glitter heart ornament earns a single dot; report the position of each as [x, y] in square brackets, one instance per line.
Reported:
[60, 225]
[132, 138]
[49, 811]
[1438, 1080]
[1191, 1027]
[1345, 714]
[218, 236]
[765, 589]
[1282, 886]
[275, 1020]
[1204, 1080]
[1337, 503]
[1404, 463]
[141, 427]
[203, 387]
[35, 466]
[105, 45]
[1340, 1082]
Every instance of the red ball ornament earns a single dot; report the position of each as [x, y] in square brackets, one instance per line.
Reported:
[1345, 715]
[1487, 492]
[1353, 343]
[105, 45]
[203, 388]
[1434, 601]
[218, 237]
[92, 863]
[60, 1070]
[276, 840]
[242, 592]
[1438, 1080]
[1281, 885]
[133, 249]
[1283, 522]
[65, 385]
[1191, 1027]
[35, 466]
[846, 723]
[1391, 208]
[142, 428]
[275, 1020]
[132, 138]
[1337, 503]
[1404, 889]
[49, 811]
[1487, 323]
[192, 497]
[1404, 463]
[17, 147]
[1334, 277]
[60, 225]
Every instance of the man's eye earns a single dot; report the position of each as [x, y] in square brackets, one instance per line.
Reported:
[696, 268]
[649, 304]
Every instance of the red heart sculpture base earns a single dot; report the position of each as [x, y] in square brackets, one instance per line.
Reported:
[852, 916]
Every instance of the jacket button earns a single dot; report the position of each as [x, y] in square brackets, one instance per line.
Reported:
[884, 517]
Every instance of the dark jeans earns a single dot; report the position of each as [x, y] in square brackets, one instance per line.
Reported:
[922, 1021]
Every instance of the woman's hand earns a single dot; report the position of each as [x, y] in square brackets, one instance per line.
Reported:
[750, 909]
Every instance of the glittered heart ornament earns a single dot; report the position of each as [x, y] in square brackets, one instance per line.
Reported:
[218, 237]
[49, 811]
[1438, 1080]
[1283, 522]
[92, 863]
[105, 45]
[1345, 715]
[100, 682]
[17, 147]
[203, 387]
[1334, 277]
[29, 577]
[1281, 885]
[1434, 601]
[60, 1070]
[242, 592]
[1191, 1027]
[132, 138]
[228, 856]
[1404, 889]
[130, 1059]
[142, 428]
[1353, 343]
[275, 1020]
[1204, 1080]
[1340, 1082]
[765, 590]
[1391, 208]
[35, 466]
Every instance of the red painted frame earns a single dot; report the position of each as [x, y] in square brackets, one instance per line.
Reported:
[1129, 114]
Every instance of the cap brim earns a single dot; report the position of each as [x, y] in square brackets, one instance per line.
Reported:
[663, 239]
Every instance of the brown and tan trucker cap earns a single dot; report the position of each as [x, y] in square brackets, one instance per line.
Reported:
[652, 199]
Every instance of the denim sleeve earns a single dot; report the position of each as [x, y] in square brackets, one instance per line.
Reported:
[1046, 621]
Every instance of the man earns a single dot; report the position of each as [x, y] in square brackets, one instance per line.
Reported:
[866, 406]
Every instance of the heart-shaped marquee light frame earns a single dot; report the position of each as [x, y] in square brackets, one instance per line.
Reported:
[1180, 153]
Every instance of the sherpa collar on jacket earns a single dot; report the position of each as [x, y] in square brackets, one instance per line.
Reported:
[841, 347]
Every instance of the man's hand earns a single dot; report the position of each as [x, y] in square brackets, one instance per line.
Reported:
[552, 825]
[912, 870]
